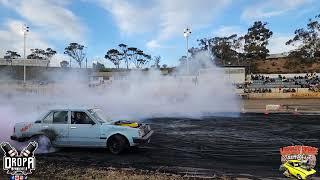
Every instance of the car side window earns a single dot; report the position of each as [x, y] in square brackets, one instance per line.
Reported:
[48, 119]
[60, 117]
[78, 117]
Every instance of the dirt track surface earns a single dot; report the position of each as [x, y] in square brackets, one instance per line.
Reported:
[259, 105]
[245, 146]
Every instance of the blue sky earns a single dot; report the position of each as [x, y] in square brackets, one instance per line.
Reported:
[155, 26]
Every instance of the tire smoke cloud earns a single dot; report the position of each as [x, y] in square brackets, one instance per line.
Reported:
[139, 95]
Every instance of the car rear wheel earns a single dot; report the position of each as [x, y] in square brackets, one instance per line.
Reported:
[117, 144]
[44, 144]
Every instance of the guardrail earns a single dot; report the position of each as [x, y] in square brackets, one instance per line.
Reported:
[302, 95]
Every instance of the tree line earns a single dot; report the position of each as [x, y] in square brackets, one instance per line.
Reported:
[252, 46]
[232, 49]
[130, 56]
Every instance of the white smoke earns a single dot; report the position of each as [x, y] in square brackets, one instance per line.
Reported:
[143, 94]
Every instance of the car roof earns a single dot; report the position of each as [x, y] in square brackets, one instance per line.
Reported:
[82, 108]
[69, 109]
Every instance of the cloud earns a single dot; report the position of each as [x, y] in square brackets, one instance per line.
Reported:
[270, 8]
[131, 18]
[50, 17]
[11, 38]
[153, 44]
[277, 44]
[166, 17]
[228, 31]
[49, 21]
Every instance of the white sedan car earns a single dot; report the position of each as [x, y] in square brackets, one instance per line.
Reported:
[84, 128]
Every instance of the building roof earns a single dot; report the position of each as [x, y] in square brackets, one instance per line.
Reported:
[278, 55]
[21, 62]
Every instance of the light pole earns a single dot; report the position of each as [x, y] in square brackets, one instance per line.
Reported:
[25, 31]
[86, 50]
[186, 34]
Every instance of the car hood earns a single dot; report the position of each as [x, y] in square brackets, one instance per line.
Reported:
[127, 123]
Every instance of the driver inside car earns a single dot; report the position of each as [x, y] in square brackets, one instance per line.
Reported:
[77, 118]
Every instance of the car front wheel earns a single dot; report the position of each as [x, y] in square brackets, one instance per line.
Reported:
[117, 144]
[299, 177]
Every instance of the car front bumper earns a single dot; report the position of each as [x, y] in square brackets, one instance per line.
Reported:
[144, 139]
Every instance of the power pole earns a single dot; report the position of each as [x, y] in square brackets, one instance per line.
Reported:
[186, 34]
[25, 31]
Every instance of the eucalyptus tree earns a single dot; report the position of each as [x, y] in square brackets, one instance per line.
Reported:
[64, 64]
[124, 52]
[256, 40]
[308, 40]
[10, 55]
[42, 54]
[156, 60]
[114, 56]
[76, 51]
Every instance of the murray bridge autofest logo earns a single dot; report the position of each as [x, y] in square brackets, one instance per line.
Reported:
[18, 166]
[298, 161]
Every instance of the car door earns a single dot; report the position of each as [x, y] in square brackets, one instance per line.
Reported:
[55, 125]
[84, 131]
[60, 126]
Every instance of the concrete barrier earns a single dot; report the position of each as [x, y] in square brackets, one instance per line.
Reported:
[306, 95]
[273, 107]
[269, 95]
[298, 95]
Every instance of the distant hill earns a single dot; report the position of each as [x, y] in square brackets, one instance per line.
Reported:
[284, 65]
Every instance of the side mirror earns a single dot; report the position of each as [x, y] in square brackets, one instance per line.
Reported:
[37, 121]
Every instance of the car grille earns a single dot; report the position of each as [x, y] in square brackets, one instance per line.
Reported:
[145, 129]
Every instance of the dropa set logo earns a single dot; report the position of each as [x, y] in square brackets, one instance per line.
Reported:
[19, 164]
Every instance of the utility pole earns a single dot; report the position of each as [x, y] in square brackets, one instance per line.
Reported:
[186, 34]
[25, 31]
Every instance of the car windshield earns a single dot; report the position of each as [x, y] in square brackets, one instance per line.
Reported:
[99, 115]
[297, 164]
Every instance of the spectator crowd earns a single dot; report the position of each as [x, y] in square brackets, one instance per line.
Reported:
[265, 84]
